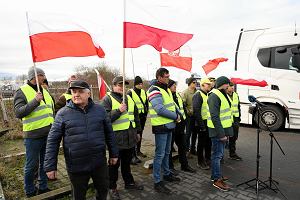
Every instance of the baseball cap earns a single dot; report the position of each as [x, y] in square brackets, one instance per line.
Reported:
[79, 84]
[118, 80]
[205, 80]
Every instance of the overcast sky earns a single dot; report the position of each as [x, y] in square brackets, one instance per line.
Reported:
[215, 25]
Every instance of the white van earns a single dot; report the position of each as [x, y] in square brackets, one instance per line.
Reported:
[271, 53]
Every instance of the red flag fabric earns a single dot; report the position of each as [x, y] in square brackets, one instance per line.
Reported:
[136, 35]
[52, 38]
[213, 64]
[250, 82]
[101, 86]
[173, 59]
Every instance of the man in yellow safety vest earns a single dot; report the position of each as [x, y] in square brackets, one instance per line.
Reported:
[139, 96]
[236, 112]
[126, 123]
[219, 122]
[36, 110]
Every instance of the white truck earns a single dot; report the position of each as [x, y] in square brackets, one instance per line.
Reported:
[272, 53]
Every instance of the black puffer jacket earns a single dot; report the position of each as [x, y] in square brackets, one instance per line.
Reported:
[85, 135]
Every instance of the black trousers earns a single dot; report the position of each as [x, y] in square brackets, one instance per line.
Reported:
[143, 119]
[125, 156]
[204, 145]
[79, 183]
[193, 136]
[179, 138]
[233, 139]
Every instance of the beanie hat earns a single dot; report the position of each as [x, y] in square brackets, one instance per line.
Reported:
[171, 82]
[190, 80]
[31, 74]
[221, 81]
[137, 80]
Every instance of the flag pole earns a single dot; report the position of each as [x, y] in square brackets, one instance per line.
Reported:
[132, 63]
[34, 67]
[123, 71]
[97, 72]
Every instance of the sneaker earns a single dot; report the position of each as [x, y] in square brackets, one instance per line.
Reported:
[43, 191]
[203, 166]
[174, 172]
[221, 185]
[31, 194]
[224, 178]
[134, 186]
[140, 154]
[114, 194]
[161, 188]
[171, 178]
[188, 169]
[234, 157]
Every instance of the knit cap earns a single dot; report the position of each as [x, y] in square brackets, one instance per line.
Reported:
[221, 81]
[31, 74]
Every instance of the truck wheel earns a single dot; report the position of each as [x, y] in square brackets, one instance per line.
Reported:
[271, 116]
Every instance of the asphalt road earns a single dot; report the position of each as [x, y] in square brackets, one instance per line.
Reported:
[286, 168]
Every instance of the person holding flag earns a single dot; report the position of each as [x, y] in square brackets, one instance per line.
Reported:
[62, 101]
[35, 109]
[139, 96]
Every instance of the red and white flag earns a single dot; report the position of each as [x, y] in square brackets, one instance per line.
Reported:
[55, 36]
[213, 64]
[177, 59]
[136, 35]
[101, 86]
[249, 81]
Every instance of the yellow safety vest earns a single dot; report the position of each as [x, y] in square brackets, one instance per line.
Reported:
[225, 112]
[123, 122]
[41, 116]
[234, 104]
[168, 103]
[67, 96]
[137, 100]
[204, 107]
[180, 102]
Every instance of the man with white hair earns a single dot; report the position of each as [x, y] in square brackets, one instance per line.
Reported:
[86, 131]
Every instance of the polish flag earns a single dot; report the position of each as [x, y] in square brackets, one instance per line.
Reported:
[213, 64]
[56, 36]
[136, 35]
[249, 79]
[177, 59]
[101, 86]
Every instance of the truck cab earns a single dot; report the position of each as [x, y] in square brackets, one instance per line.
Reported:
[271, 53]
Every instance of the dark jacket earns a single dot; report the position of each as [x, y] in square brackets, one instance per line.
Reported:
[85, 135]
[197, 107]
[214, 104]
[23, 108]
[61, 101]
[126, 139]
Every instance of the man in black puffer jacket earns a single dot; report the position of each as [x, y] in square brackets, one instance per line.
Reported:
[86, 130]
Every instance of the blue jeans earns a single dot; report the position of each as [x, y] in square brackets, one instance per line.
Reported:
[161, 157]
[35, 155]
[217, 154]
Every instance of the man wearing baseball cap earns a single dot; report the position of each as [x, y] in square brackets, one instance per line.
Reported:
[86, 131]
[200, 109]
[126, 124]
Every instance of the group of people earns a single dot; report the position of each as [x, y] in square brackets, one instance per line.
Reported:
[87, 129]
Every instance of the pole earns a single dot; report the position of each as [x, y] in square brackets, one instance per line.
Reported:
[123, 71]
[132, 63]
[98, 81]
[34, 67]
